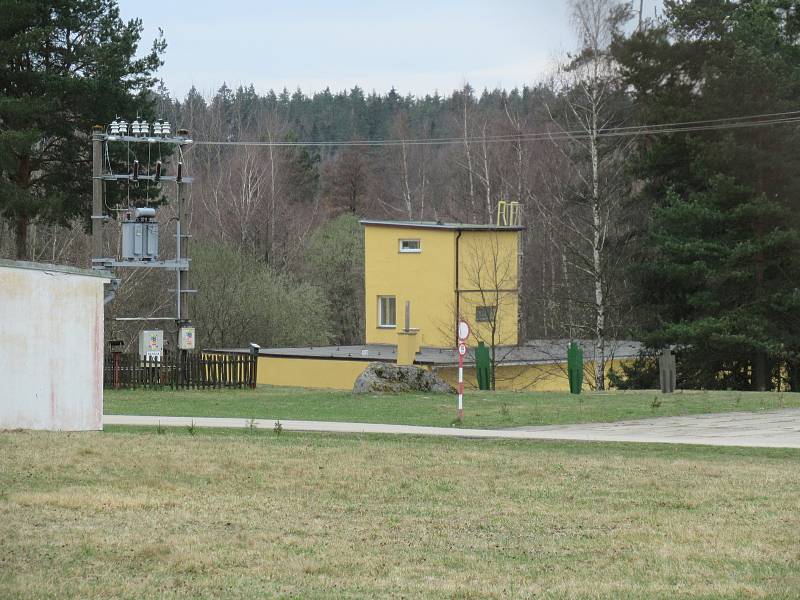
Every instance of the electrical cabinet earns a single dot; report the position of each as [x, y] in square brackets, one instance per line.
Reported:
[151, 344]
[186, 338]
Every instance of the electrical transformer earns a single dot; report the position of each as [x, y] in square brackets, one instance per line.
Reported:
[139, 234]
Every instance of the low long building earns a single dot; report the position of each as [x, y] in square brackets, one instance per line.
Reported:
[539, 365]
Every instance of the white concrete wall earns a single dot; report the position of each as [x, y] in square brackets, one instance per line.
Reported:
[51, 348]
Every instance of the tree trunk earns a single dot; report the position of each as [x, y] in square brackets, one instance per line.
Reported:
[641, 9]
[268, 230]
[494, 361]
[597, 241]
[567, 295]
[21, 236]
[23, 180]
[469, 167]
[406, 186]
[793, 372]
[760, 372]
[760, 375]
[486, 178]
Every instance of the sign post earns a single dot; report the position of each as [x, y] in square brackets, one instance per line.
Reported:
[463, 334]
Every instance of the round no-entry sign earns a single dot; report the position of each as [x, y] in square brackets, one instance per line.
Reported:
[462, 349]
[463, 330]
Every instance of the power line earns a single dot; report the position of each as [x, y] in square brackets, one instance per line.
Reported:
[621, 131]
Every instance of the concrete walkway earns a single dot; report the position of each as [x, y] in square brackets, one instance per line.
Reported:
[769, 429]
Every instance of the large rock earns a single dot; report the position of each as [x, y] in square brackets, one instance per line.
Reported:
[389, 377]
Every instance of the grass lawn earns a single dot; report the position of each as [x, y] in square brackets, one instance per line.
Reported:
[481, 409]
[128, 514]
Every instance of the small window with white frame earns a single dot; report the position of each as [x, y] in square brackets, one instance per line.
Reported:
[410, 246]
[485, 314]
[387, 311]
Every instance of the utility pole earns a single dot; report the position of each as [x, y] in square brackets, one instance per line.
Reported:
[181, 244]
[182, 250]
[139, 228]
[97, 191]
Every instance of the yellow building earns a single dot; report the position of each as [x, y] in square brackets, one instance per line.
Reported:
[445, 271]
[442, 272]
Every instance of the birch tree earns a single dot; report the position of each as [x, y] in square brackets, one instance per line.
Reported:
[468, 156]
[588, 199]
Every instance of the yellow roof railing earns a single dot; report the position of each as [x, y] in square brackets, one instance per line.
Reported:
[508, 214]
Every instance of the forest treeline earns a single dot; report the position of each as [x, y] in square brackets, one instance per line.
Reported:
[683, 235]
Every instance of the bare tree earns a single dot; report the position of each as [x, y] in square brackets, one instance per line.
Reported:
[467, 100]
[487, 295]
[346, 180]
[588, 201]
[405, 168]
[478, 166]
[256, 198]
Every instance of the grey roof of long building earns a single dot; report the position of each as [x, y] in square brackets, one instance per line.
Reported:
[534, 352]
[440, 225]
[370, 352]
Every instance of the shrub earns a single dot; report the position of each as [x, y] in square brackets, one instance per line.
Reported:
[240, 299]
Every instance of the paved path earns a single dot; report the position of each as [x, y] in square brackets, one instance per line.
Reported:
[769, 429]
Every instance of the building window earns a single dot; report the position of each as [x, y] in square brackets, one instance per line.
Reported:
[410, 246]
[485, 314]
[387, 311]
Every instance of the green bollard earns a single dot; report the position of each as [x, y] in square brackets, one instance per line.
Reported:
[483, 368]
[575, 368]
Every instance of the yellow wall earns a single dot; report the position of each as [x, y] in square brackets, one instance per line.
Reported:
[535, 378]
[342, 374]
[309, 372]
[426, 278]
[488, 263]
[487, 260]
[505, 324]
[539, 378]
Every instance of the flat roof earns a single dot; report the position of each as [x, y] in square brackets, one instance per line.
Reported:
[532, 353]
[441, 225]
[36, 266]
[365, 352]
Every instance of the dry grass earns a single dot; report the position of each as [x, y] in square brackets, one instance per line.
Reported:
[243, 515]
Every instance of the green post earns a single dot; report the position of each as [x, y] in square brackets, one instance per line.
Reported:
[483, 366]
[575, 368]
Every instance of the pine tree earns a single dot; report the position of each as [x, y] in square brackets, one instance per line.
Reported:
[65, 65]
[721, 258]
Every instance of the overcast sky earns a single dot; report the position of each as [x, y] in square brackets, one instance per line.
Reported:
[417, 46]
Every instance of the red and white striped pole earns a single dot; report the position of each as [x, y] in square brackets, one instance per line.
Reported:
[463, 334]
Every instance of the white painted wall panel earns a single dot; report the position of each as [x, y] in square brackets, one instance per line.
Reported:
[51, 348]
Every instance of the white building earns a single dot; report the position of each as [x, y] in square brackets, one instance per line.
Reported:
[51, 347]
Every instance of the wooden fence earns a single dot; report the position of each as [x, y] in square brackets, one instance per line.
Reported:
[180, 371]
